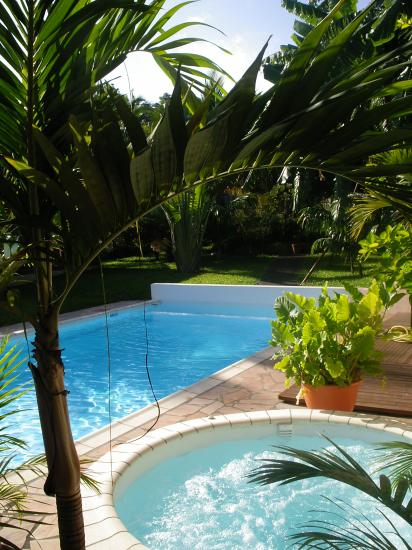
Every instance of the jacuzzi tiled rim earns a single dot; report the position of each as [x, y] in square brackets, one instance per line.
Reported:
[104, 530]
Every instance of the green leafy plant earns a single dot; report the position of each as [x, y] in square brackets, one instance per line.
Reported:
[394, 249]
[15, 503]
[13, 494]
[329, 341]
[187, 215]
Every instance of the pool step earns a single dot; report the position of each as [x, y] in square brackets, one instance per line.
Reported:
[285, 430]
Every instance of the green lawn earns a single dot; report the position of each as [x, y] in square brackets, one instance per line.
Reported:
[130, 278]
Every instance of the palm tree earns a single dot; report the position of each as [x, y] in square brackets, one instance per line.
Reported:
[329, 218]
[100, 185]
[51, 55]
[187, 215]
[379, 25]
[391, 490]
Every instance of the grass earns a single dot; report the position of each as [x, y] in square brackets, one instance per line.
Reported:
[130, 278]
[332, 269]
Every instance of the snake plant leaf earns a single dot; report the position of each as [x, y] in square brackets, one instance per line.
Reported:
[209, 149]
[134, 128]
[37, 177]
[204, 149]
[82, 231]
[142, 178]
[95, 181]
[199, 116]
[107, 136]
[168, 146]
[85, 212]
[290, 84]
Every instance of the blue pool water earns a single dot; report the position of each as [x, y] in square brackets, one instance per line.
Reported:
[202, 499]
[186, 343]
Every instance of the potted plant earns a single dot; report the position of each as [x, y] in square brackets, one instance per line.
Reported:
[328, 345]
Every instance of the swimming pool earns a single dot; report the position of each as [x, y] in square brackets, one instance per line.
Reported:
[185, 342]
[192, 493]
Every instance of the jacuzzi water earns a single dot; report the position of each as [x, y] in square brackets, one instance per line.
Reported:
[201, 500]
[186, 343]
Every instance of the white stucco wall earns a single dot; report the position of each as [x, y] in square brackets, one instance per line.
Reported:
[228, 294]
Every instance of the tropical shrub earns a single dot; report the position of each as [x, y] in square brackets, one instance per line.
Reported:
[187, 215]
[329, 341]
[13, 494]
[393, 248]
[15, 504]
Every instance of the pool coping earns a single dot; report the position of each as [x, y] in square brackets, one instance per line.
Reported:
[119, 428]
[103, 527]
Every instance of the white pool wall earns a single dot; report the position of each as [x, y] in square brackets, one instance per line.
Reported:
[258, 295]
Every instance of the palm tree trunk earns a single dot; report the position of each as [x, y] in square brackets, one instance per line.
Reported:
[63, 479]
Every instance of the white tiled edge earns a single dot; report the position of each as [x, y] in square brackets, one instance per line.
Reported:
[103, 527]
[17, 329]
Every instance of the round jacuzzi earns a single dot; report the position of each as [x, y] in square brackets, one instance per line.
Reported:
[185, 486]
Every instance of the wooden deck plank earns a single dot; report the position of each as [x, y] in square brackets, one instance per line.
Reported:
[394, 397]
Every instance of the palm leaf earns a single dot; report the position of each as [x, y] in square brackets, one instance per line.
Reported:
[338, 466]
[243, 131]
[62, 48]
[396, 460]
[342, 532]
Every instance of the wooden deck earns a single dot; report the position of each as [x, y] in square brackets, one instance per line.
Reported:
[393, 396]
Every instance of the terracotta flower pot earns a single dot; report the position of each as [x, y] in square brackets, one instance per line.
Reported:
[331, 398]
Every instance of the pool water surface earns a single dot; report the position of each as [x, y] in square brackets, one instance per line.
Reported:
[185, 344]
[202, 499]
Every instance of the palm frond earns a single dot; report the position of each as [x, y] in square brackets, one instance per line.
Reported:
[334, 464]
[396, 460]
[62, 49]
[364, 210]
[348, 529]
